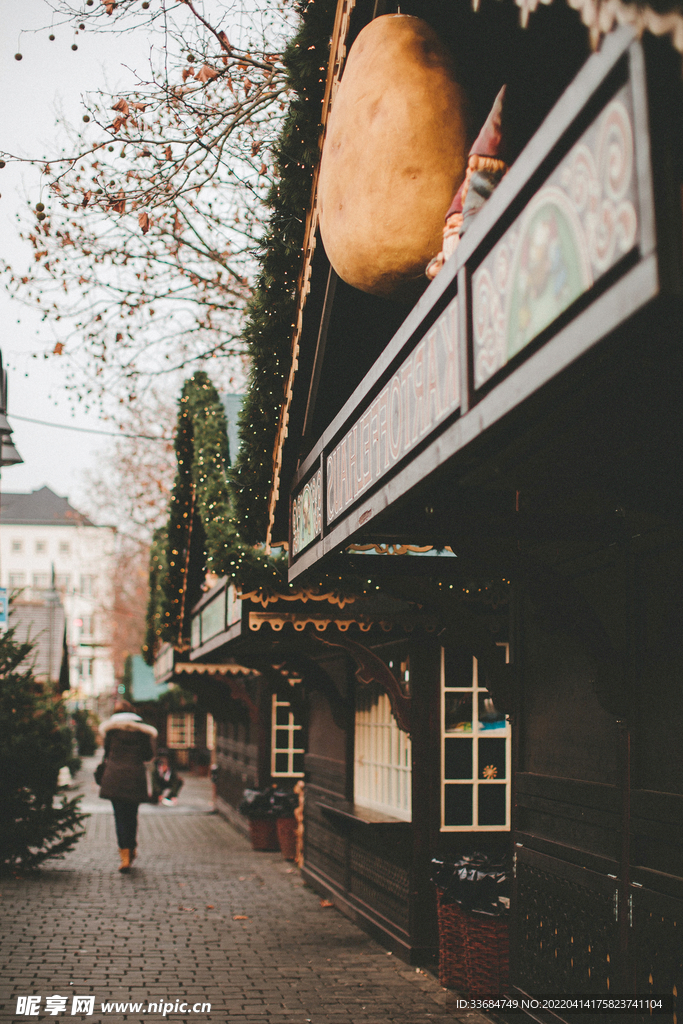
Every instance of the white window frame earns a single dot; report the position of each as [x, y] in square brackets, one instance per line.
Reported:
[180, 734]
[293, 731]
[382, 757]
[475, 782]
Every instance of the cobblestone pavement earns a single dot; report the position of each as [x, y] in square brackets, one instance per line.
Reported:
[200, 919]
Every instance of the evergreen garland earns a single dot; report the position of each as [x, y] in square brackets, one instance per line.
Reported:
[186, 542]
[155, 602]
[272, 309]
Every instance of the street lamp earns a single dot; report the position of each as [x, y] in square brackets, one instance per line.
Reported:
[9, 456]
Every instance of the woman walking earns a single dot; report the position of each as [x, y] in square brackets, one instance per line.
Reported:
[128, 743]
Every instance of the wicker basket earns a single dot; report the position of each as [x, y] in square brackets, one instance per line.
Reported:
[263, 833]
[452, 940]
[286, 833]
[474, 951]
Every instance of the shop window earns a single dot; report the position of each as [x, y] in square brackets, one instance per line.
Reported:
[180, 730]
[17, 580]
[475, 750]
[41, 580]
[286, 753]
[382, 756]
[62, 581]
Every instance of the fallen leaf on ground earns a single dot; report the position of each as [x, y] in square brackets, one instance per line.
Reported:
[326, 903]
[240, 917]
[209, 906]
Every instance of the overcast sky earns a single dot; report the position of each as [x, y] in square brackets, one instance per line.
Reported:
[49, 77]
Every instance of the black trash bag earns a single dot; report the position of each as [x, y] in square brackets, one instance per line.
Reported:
[272, 802]
[442, 872]
[256, 803]
[477, 883]
[284, 802]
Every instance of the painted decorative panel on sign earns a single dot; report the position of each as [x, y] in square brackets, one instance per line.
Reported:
[577, 226]
[421, 394]
[307, 513]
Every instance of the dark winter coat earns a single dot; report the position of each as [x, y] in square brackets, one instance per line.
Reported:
[128, 743]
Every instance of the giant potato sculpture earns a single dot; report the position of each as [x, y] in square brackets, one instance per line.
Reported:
[394, 155]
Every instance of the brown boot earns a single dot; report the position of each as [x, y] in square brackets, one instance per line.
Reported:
[125, 860]
[133, 853]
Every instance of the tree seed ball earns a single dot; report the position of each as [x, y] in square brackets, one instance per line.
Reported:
[190, 57]
[145, 6]
[2, 164]
[51, 38]
[110, 148]
[73, 46]
[86, 118]
[82, 28]
[18, 56]
[41, 216]
[40, 207]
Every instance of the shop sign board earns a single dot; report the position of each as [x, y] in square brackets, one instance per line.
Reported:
[422, 393]
[579, 224]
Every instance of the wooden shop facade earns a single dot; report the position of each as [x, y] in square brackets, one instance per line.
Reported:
[500, 453]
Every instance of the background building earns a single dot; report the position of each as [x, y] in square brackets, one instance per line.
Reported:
[47, 546]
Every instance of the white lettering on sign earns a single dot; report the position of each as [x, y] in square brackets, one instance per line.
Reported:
[424, 390]
[307, 513]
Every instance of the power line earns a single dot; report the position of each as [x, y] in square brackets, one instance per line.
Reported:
[88, 430]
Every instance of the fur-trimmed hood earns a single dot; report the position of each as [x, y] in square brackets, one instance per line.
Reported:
[129, 723]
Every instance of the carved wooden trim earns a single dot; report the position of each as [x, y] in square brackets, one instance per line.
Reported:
[371, 667]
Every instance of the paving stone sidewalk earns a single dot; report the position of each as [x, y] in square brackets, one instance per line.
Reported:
[200, 919]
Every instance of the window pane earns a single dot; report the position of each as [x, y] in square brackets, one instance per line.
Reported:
[492, 759]
[458, 759]
[457, 668]
[281, 764]
[489, 717]
[458, 805]
[298, 765]
[282, 714]
[492, 805]
[458, 714]
[282, 739]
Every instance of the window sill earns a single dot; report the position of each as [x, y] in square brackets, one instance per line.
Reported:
[350, 815]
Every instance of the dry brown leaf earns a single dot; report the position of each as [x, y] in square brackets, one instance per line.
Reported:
[122, 107]
[86, 198]
[209, 906]
[206, 73]
[326, 903]
[240, 917]
[187, 73]
[139, 106]
[168, 152]
[58, 349]
[109, 5]
[264, 169]
[143, 221]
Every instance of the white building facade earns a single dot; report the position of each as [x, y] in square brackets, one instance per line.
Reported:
[46, 543]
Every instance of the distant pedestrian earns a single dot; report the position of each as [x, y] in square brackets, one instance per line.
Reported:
[128, 743]
[166, 783]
